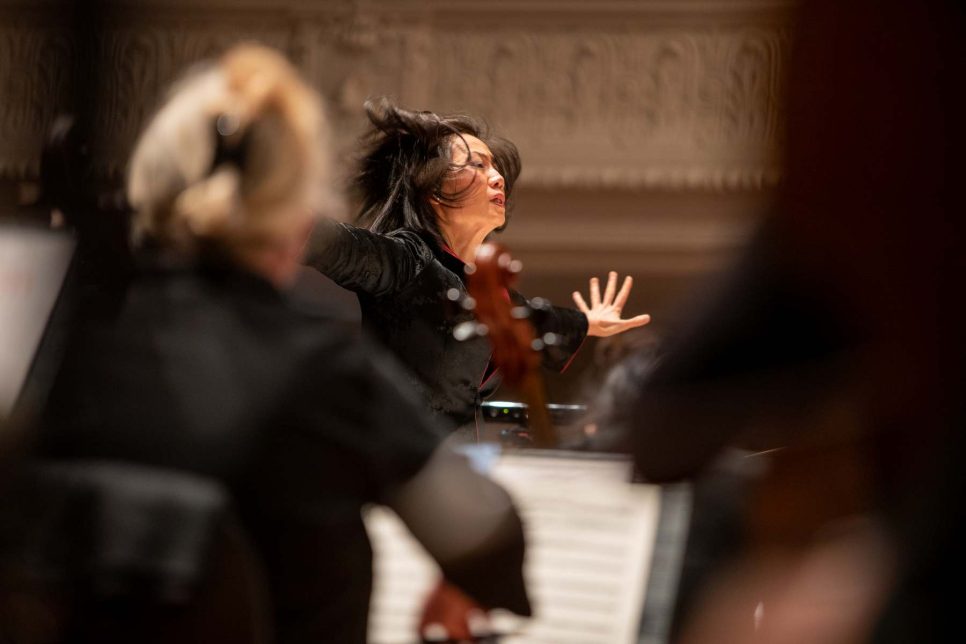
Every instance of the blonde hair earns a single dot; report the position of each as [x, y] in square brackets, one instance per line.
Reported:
[236, 157]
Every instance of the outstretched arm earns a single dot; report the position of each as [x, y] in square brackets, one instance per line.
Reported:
[604, 313]
[364, 261]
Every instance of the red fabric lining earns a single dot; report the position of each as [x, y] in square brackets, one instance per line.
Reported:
[574, 354]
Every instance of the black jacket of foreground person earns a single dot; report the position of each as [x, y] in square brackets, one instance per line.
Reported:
[211, 371]
[402, 280]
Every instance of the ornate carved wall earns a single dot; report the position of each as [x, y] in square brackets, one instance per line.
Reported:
[630, 94]
[649, 129]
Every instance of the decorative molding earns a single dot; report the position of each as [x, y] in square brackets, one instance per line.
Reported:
[654, 94]
[632, 108]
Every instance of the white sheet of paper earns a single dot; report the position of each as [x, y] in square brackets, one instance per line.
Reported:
[590, 539]
[32, 268]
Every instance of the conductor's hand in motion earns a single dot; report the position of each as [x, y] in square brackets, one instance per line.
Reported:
[604, 314]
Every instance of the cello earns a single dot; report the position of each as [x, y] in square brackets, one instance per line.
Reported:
[516, 347]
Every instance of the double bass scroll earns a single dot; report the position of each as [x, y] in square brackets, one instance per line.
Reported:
[516, 347]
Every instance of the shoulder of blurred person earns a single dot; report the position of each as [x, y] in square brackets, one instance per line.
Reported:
[210, 370]
[210, 349]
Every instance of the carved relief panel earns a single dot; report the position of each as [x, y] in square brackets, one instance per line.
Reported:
[631, 93]
[625, 108]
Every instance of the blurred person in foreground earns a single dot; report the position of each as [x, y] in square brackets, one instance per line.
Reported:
[837, 343]
[432, 189]
[208, 369]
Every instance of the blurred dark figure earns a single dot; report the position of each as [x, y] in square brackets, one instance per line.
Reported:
[98, 216]
[206, 453]
[620, 364]
[70, 205]
[838, 342]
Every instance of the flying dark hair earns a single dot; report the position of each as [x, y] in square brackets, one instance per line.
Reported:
[405, 158]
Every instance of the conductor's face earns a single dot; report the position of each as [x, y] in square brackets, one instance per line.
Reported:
[478, 185]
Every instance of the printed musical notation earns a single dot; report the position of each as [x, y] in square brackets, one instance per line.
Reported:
[590, 536]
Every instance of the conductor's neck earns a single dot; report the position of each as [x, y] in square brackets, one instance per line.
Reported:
[464, 242]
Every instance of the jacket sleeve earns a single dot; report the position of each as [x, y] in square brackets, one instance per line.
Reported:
[469, 525]
[353, 399]
[568, 326]
[367, 262]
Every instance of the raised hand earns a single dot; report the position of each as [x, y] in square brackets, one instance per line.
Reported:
[604, 314]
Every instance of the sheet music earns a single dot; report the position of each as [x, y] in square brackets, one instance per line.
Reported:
[590, 540]
[32, 268]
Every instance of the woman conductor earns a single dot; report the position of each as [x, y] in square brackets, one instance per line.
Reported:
[432, 189]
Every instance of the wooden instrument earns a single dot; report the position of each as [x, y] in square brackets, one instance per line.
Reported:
[515, 344]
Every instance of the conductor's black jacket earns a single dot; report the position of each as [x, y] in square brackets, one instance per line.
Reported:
[403, 281]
